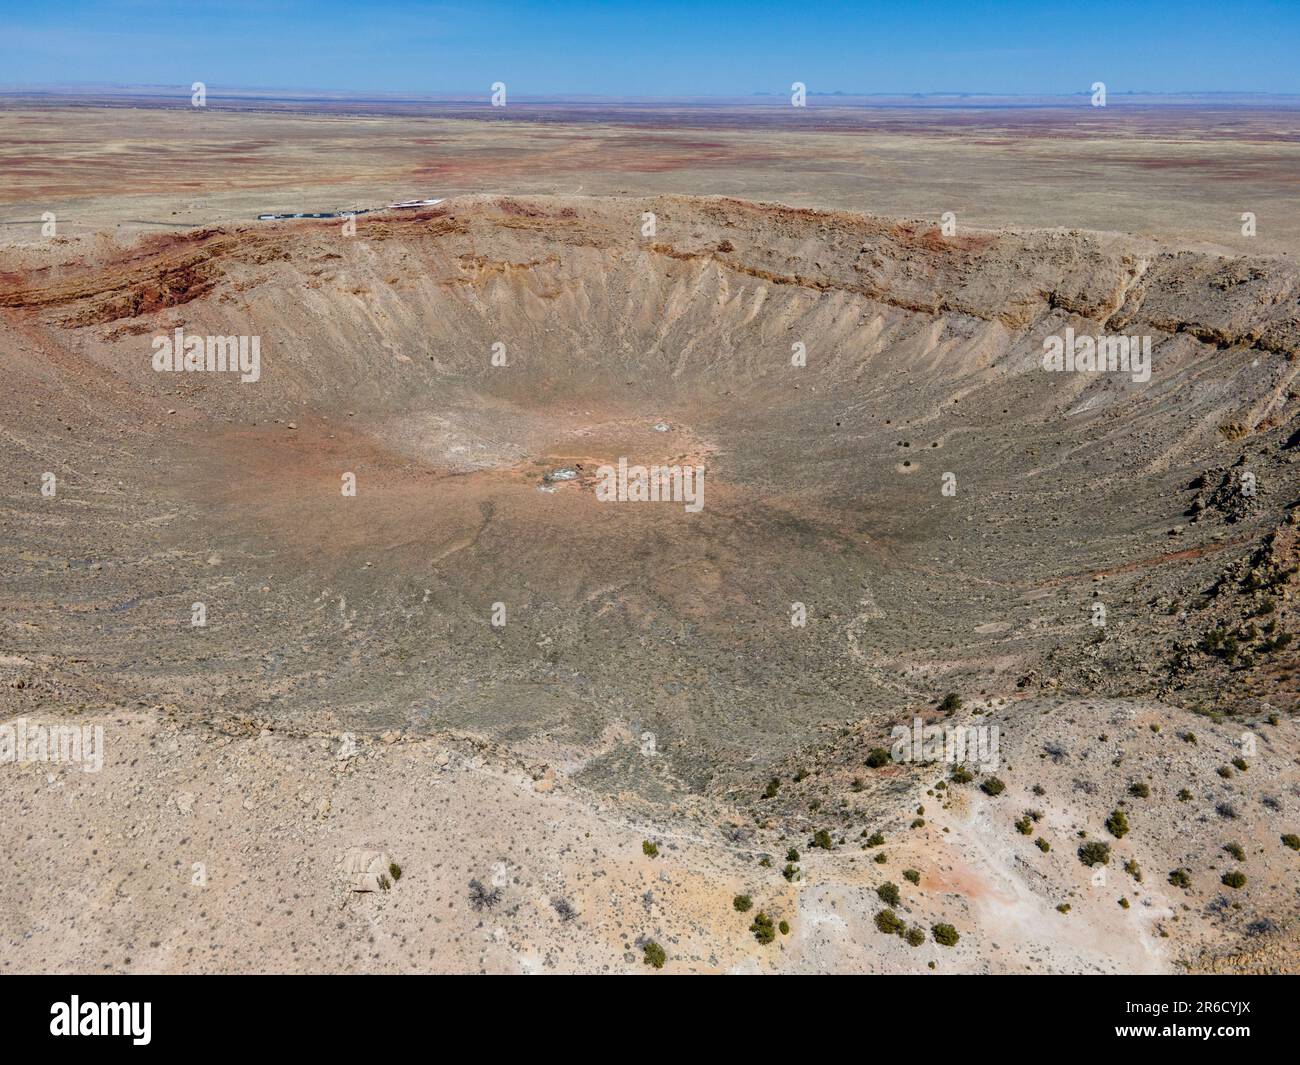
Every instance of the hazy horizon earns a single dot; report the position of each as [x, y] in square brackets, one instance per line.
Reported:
[663, 49]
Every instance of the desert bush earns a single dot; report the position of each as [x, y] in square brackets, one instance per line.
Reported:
[1139, 789]
[1291, 840]
[742, 903]
[1095, 853]
[1235, 850]
[944, 934]
[763, 928]
[912, 875]
[887, 921]
[962, 775]
[654, 954]
[888, 892]
[1042, 844]
[877, 757]
[482, 898]
[1117, 824]
[951, 703]
[992, 786]
[1234, 879]
[1180, 878]
[822, 838]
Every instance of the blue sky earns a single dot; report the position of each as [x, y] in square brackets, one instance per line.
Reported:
[659, 48]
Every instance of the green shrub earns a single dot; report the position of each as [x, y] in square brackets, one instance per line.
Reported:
[1025, 826]
[773, 786]
[1291, 840]
[962, 775]
[822, 838]
[1240, 763]
[790, 872]
[763, 928]
[918, 823]
[1220, 643]
[1235, 850]
[654, 954]
[1180, 878]
[1184, 795]
[992, 786]
[1063, 907]
[395, 870]
[913, 875]
[1124, 903]
[1095, 853]
[1117, 824]
[742, 903]
[784, 927]
[877, 757]
[792, 855]
[1042, 844]
[875, 839]
[951, 703]
[651, 849]
[1133, 869]
[1142, 791]
[1233, 879]
[887, 921]
[944, 934]
[888, 892]
[914, 936]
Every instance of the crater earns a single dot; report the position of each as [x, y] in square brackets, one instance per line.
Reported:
[446, 363]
